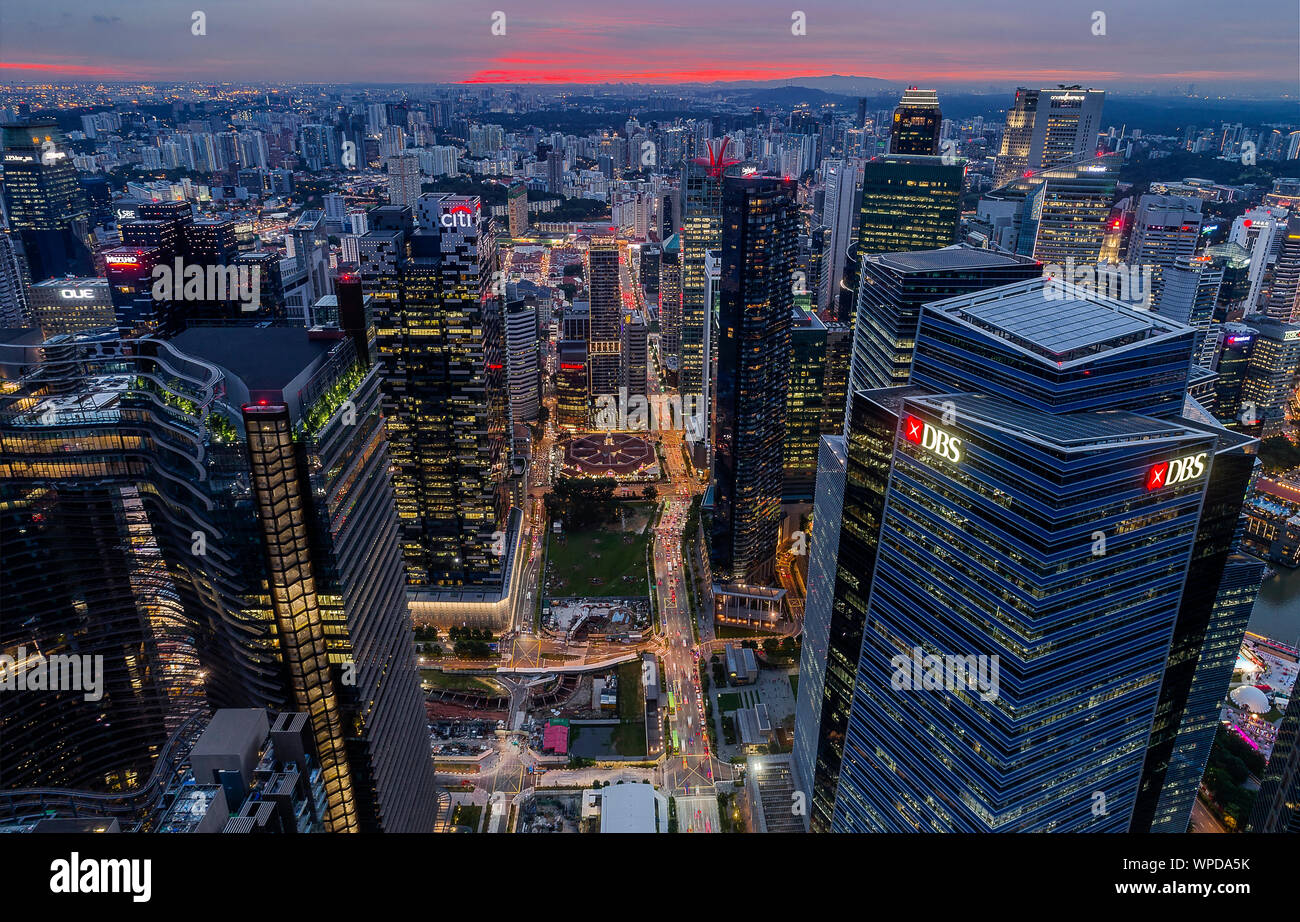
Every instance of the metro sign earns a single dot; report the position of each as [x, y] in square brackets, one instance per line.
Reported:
[931, 438]
[1180, 470]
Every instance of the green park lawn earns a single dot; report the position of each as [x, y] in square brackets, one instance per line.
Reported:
[604, 554]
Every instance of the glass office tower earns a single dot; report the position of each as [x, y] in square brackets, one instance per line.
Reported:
[917, 123]
[1025, 516]
[441, 346]
[895, 286]
[701, 232]
[909, 202]
[604, 358]
[758, 259]
[223, 502]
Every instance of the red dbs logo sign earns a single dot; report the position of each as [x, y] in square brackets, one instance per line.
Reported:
[931, 438]
[1180, 470]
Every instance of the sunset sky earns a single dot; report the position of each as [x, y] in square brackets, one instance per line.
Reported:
[1149, 43]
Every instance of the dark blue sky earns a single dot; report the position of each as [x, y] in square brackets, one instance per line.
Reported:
[1247, 46]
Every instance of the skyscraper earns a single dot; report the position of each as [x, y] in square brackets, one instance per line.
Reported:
[1055, 214]
[916, 125]
[517, 204]
[522, 361]
[44, 202]
[635, 351]
[804, 405]
[1165, 227]
[1277, 806]
[572, 411]
[944, 572]
[895, 286]
[909, 202]
[1047, 126]
[841, 178]
[604, 347]
[1189, 295]
[1284, 297]
[441, 344]
[1270, 381]
[247, 557]
[758, 256]
[670, 304]
[403, 178]
[830, 651]
[701, 232]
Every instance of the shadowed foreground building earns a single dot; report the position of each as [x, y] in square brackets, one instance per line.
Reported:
[758, 220]
[215, 517]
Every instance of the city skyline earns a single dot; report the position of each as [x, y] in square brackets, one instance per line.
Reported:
[675, 43]
[480, 419]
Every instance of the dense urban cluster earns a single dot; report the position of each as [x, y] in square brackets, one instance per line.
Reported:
[641, 459]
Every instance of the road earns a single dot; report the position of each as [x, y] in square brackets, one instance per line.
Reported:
[690, 768]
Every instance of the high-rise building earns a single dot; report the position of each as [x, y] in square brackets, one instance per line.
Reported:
[1165, 227]
[701, 232]
[440, 341]
[835, 382]
[909, 202]
[1277, 806]
[44, 203]
[1232, 363]
[403, 178]
[1032, 463]
[894, 287]
[1260, 231]
[604, 352]
[517, 206]
[804, 404]
[1045, 127]
[71, 305]
[320, 146]
[13, 284]
[635, 350]
[759, 221]
[841, 179]
[555, 172]
[336, 213]
[572, 411]
[917, 120]
[1055, 214]
[1269, 387]
[830, 653]
[1189, 295]
[522, 361]
[249, 558]
[670, 304]
[1283, 302]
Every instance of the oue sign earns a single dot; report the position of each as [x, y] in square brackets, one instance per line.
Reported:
[1180, 470]
[931, 438]
[77, 294]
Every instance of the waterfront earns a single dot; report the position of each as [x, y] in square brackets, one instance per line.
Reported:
[1277, 609]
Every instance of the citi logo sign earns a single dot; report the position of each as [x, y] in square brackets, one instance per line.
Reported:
[1181, 470]
[458, 216]
[931, 438]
